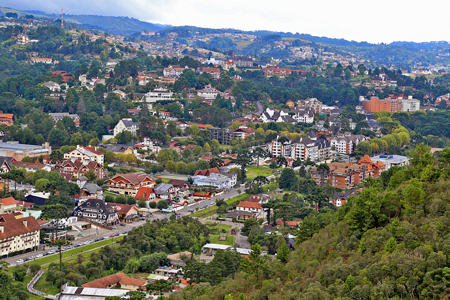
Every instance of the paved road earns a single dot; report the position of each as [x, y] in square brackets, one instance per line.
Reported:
[102, 233]
[260, 107]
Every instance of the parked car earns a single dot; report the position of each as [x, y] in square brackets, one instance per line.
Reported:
[122, 224]
[31, 257]
[190, 210]
[112, 235]
[45, 254]
[114, 227]
[116, 234]
[125, 232]
[81, 234]
[51, 252]
[20, 261]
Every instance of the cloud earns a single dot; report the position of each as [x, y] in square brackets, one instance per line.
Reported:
[380, 21]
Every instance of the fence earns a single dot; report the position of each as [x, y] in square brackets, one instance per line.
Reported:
[30, 285]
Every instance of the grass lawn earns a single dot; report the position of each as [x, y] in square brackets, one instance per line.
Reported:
[42, 285]
[215, 240]
[255, 171]
[165, 180]
[110, 194]
[270, 187]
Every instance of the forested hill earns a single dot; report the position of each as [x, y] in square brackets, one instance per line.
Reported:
[392, 241]
[116, 25]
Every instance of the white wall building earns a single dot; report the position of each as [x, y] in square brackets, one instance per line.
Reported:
[126, 125]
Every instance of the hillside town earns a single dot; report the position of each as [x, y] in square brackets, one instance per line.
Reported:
[152, 165]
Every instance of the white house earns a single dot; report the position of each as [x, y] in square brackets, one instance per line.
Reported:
[160, 93]
[126, 125]
[53, 86]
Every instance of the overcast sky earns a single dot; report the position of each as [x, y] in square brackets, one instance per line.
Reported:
[372, 21]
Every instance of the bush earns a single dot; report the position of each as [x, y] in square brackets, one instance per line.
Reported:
[34, 268]
[162, 204]
[152, 204]
[109, 198]
[131, 200]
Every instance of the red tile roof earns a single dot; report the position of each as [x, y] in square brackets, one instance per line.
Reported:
[122, 208]
[8, 201]
[14, 227]
[133, 281]
[249, 204]
[21, 164]
[105, 281]
[206, 172]
[144, 192]
[92, 149]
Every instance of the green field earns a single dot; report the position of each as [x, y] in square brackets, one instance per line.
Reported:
[215, 240]
[255, 171]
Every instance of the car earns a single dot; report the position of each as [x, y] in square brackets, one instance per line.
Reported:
[51, 252]
[116, 234]
[20, 261]
[45, 254]
[39, 255]
[31, 257]
[81, 234]
[111, 236]
[114, 227]
[122, 224]
[25, 259]
[190, 210]
[125, 232]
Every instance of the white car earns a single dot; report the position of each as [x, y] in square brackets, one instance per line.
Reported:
[20, 261]
[51, 252]
[39, 255]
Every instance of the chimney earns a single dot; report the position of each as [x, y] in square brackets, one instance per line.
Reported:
[25, 223]
[2, 228]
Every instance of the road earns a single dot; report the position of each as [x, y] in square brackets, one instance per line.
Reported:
[260, 107]
[93, 235]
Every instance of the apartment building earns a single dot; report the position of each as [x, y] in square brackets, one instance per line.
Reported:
[160, 93]
[346, 143]
[18, 235]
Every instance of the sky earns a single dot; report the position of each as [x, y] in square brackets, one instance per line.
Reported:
[381, 21]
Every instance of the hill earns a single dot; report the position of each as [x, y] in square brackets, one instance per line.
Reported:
[116, 25]
[391, 241]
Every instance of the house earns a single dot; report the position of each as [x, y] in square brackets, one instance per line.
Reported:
[53, 86]
[209, 250]
[121, 94]
[7, 119]
[291, 224]
[128, 125]
[174, 71]
[391, 160]
[38, 198]
[213, 72]
[66, 76]
[119, 148]
[146, 193]
[274, 115]
[165, 191]
[59, 116]
[208, 92]
[90, 153]
[91, 190]
[36, 60]
[340, 198]
[160, 93]
[180, 184]
[213, 171]
[118, 280]
[261, 198]
[129, 184]
[79, 166]
[97, 211]
[214, 179]
[252, 207]
[127, 213]
[31, 167]
[279, 72]
[5, 164]
[8, 205]
[18, 234]
[22, 39]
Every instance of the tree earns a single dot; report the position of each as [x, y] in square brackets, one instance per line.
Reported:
[181, 167]
[55, 213]
[323, 168]
[41, 184]
[282, 161]
[283, 252]
[162, 205]
[91, 175]
[160, 286]
[287, 179]
[259, 153]
[142, 203]
[249, 224]
[171, 166]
